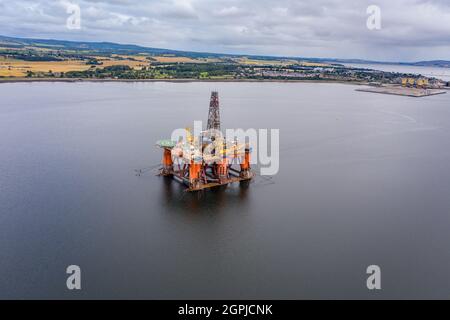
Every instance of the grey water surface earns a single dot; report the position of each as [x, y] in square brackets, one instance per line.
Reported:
[364, 179]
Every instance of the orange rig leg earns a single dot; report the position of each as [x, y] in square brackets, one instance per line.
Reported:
[195, 170]
[222, 170]
[245, 165]
[167, 163]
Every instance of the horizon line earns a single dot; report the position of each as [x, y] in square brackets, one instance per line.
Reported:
[228, 54]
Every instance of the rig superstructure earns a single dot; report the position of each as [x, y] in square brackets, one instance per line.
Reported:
[208, 160]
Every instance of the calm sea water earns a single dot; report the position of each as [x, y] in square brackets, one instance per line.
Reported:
[364, 179]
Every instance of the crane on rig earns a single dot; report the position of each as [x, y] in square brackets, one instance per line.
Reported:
[208, 160]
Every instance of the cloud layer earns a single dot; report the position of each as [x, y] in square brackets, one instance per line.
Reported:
[411, 29]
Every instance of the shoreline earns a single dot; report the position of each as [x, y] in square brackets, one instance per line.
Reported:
[403, 91]
[71, 80]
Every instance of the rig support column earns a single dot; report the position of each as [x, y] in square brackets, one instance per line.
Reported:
[245, 165]
[222, 167]
[222, 170]
[195, 170]
[167, 162]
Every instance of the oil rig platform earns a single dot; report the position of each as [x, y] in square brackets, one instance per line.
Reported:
[208, 160]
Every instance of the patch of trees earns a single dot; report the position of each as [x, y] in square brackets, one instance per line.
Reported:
[198, 70]
[33, 57]
[94, 62]
[118, 71]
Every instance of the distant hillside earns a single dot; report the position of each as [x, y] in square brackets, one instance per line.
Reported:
[434, 63]
[100, 47]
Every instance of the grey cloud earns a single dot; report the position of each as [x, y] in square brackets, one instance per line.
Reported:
[412, 29]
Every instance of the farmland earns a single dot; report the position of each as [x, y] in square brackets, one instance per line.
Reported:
[49, 59]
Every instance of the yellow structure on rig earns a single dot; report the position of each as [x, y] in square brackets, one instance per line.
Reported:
[417, 83]
[422, 83]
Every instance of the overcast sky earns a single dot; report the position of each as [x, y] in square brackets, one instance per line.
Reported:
[410, 29]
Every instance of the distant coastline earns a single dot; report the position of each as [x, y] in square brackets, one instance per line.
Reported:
[438, 72]
[120, 48]
[73, 80]
[34, 60]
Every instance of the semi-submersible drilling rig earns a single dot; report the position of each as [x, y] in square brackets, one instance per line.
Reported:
[208, 160]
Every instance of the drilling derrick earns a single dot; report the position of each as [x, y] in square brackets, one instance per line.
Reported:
[214, 112]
